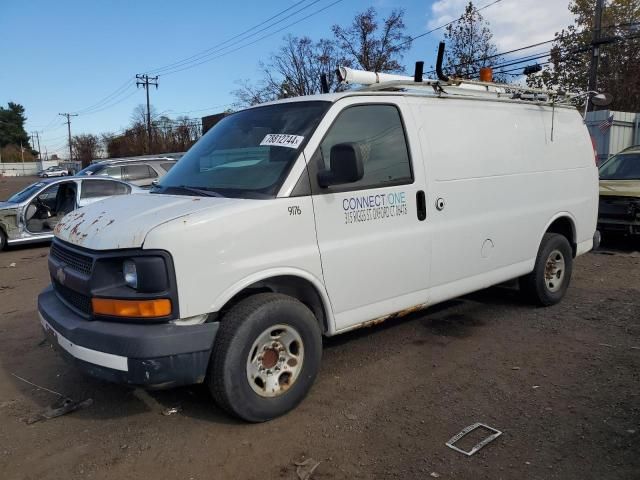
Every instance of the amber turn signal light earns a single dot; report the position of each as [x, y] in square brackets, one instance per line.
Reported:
[131, 308]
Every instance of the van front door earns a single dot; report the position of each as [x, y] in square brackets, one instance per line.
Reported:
[373, 243]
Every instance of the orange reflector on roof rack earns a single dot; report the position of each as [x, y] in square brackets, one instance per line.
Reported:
[131, 308]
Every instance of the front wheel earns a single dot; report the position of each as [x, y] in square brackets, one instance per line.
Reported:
[3, 240]
[266, 357]
[549, 280]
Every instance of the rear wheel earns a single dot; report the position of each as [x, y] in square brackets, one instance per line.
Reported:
[3, 240]
[266, 357]
[549, 280]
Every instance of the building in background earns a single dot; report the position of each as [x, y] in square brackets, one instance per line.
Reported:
[613, 131]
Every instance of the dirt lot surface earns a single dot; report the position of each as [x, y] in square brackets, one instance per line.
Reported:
[562, 383]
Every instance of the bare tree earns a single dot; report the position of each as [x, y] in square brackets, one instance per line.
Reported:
[86, 148]
[370, 46]
[296, 67]
[294, 70]
[168, 136]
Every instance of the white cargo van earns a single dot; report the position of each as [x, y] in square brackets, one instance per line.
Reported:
[316, 215]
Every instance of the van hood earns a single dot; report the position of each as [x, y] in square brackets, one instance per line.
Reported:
[620, 188]
[125, 221]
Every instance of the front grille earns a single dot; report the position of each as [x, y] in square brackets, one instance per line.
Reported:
[77, 300]
[74, 260]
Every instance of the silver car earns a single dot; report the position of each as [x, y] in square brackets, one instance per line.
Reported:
[141, 172]
[53, 172]
[31, 214]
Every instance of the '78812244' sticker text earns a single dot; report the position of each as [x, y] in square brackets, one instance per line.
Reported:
[365, 208]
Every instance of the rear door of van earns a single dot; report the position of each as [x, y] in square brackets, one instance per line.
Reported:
[371, 233]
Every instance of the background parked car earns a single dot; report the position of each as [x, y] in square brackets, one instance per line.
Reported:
[620, 193]
[141, 172]
[31, 214]
[53, 172]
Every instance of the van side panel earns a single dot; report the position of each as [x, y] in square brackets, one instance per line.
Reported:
[502, 180]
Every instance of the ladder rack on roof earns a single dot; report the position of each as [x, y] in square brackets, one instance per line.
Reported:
[373, 81]
[376, 82]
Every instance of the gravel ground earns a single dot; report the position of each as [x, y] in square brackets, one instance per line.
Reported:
[562, 383]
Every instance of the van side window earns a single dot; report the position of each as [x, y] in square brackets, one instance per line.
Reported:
[377, 130]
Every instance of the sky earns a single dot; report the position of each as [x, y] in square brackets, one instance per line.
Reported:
[82, 56]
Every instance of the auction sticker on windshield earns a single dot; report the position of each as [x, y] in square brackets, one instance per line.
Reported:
[282, 140]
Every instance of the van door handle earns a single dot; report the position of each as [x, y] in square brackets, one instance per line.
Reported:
[421, 205]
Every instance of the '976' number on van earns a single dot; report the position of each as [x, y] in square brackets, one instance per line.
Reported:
[295, 210]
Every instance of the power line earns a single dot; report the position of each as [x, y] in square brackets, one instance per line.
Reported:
[217, 47]
[102, 104]
[117, 92]
[566, 53]
[106, 107]
[257, 40]
[444, 25]
[527, 47]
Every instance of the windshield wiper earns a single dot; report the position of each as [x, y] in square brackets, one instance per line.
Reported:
[204, 191]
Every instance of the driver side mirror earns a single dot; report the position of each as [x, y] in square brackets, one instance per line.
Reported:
[345, 166]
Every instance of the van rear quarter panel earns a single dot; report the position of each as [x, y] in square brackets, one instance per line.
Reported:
[503, 179]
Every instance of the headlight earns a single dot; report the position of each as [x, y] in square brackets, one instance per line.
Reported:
[130, 273]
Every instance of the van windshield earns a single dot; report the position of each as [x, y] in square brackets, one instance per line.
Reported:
[247, 154]
[621, 167]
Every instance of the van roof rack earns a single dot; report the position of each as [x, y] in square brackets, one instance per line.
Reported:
[374, 81]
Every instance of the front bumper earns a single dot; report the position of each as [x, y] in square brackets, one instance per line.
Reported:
[154, 355]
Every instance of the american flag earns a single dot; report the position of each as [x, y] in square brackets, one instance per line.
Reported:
[606, 124]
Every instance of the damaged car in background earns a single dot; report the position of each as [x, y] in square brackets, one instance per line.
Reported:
[620, 193]
[31, 214]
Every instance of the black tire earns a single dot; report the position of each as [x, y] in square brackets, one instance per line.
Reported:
[543, 289]
[243, 325]
[3, 240]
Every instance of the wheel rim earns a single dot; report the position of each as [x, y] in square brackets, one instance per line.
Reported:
[275, 360]
[554, 271]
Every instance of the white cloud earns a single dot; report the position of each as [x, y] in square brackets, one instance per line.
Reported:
[514, 23]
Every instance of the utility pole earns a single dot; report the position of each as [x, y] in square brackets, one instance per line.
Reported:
[68, 116]
[22, 155]
[39, 151]
[595, 51]
[145, 80]
[35, 139]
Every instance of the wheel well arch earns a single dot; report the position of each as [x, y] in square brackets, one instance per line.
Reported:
[564, 225]
[294, 286]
